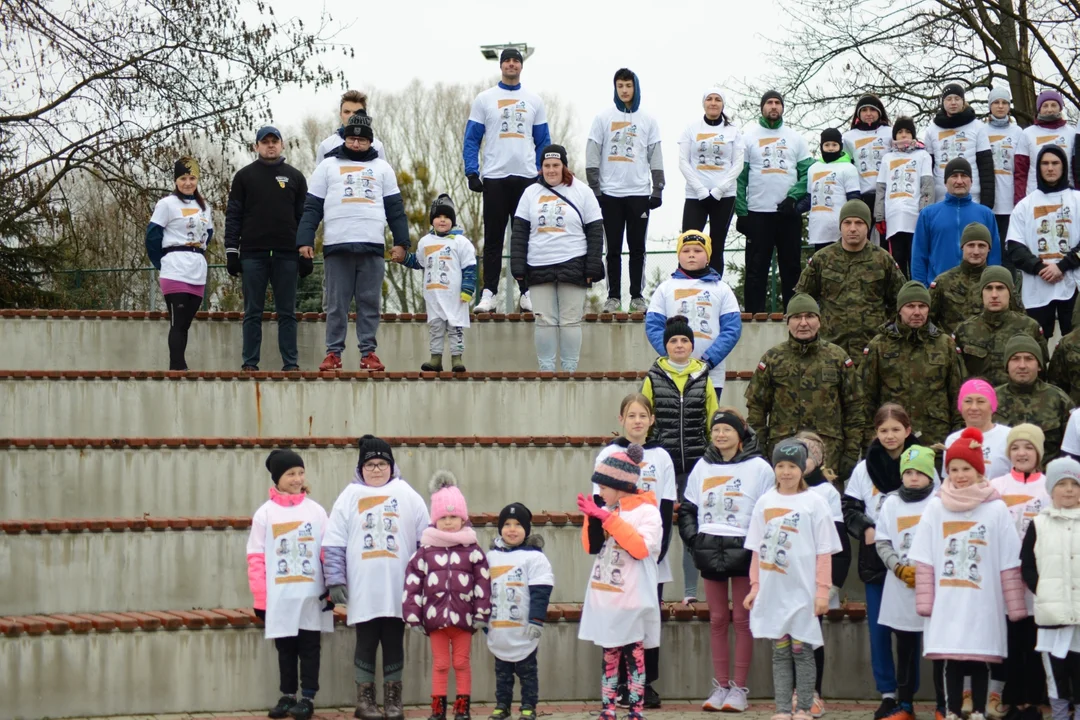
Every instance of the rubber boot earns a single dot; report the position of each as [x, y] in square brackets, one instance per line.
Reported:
[457, 364]
[392, 701]
[366, 707]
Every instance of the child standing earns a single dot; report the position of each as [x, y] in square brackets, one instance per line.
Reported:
[966, 556]
[448, 261]
[374, 527]
[905, 185]
[658, 477]
[793, 539]
[621, 613]
[713, 517]
[448, 593]
[1048, 562]
[521, 584]
[288, 528]
[895, 528]
[830, 182]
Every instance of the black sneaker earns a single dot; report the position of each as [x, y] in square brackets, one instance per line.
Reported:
[290, 368]
[652, 698]
[622, 698]
[281, 710]
[303, 710]
[888, 705]
[499, 713]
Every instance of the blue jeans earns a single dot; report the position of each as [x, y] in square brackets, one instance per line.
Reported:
[559, 308]
[881, 657]
[279, 270]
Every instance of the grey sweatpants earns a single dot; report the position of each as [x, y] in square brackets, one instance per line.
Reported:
[350, 276]
[437, 328]
[793, 670]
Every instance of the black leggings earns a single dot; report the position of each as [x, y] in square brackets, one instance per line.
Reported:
[1066, 672]
[1025, 675]
[1062, 310]
[501, 197]
[718, 213]
[955, 672]
[908, 652]
[182, 309]
[899, 245]
[631, 214]
[388, 632]
[303, 648]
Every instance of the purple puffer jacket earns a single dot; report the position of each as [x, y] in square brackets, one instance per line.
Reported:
[447, 582]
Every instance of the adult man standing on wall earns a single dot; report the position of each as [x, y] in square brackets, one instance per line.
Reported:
[353, 102]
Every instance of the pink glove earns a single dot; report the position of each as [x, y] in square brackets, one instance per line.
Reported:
[589, 507]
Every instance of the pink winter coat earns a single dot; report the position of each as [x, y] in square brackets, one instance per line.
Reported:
[447, 582]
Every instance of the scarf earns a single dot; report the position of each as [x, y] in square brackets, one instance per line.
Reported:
[435, 537]
[884, 471]
[963, 499]
[910, 495]
[696, 274]
[359, 155]
[947, 122]
[998, 122]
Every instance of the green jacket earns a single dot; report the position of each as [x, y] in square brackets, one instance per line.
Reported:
[1041, 404]
[795, 193]
[980, 341]
[1064, 370]
[956, 295]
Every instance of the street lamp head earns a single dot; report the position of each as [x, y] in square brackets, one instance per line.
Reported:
[497, 52]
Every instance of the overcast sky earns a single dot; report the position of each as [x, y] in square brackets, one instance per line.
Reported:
[677, 49]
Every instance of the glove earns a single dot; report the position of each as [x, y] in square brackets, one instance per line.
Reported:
[655, 201]
[466, 298]
[261, 614]
[232, 264]
[479, 624]
[475, 183]
[742, 224]
[905, 573]
[305, 267]
[328, 606]
[717, 193]
[533, 632]
[787, 206]
[339, 594]
[417, 629]
[588, 506]
[880, 226]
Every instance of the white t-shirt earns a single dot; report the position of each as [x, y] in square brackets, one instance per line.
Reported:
[968, 551]
[556, 231]
[379, 527]
[352, 193]
[1035, 138]
[1047, 224]
[861, 487]
[829, 184]
[725, 495]
[715, 152]
[948, 144]
[512, 573]
[995, 450]
[1005, 143]
[508, 117]
[902, 174]
[867, 149]
[1025, 500]
[187, 224]
[828, 492]
[703, 303]
[788, 532]
[290, 539]
[443, 259]
[774, 156]
[1070, 442]
[657, 477]
[335, 141]
[898, 522]
[624, 139]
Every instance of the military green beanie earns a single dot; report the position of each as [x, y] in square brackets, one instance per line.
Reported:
[857, 209]
[913, 291]
[1023, 343]
[918, 458]
[996, 273]
[975, 231]
[802, 303]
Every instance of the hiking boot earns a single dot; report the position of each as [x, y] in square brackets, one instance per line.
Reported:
[392, 709]
[331, 362]
[461, 707]
[611, 305]
[715, 703]
[366, 707]
[303, 710]
[438, 707]
[281, 710]
[487, 302]
[638, 305]
[886, 708]
[500, 713]
[371, 361]
[652, 698]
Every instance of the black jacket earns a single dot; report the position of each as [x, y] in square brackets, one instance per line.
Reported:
[265, 205]
[885, 474]
[680, 418]
[841, 561]
[577, 271]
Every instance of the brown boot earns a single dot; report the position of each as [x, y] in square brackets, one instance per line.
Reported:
[366, 707]
[392, 700]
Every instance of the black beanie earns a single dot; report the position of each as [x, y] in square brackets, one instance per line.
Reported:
[904, 123]
[554, 151]
[510, 53]
[280, 462]
[831, 135]
[729, 418]
[373, 448]
[519, 512]
[443, 205]
[953, 89]
[957, 165]
[185, 166]
[359, 126]
[771, 95]
[678, 325]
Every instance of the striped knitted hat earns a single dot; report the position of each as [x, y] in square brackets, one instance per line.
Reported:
[621, 469]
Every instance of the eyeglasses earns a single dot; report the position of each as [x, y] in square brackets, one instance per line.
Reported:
[379, 466]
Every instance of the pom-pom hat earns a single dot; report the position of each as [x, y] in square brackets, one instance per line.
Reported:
[969, 448]
[446, 498]
[621, 470]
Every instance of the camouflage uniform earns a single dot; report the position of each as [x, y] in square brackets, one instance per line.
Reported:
[1040, 404]
[918, 369]
[856, 292]
[956, 295]
[1064, 370]
[981, 340]
[808, 386]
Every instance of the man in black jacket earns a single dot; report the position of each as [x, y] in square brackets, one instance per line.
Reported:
[266, 201]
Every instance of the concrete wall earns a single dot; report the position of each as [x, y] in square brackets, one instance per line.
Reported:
[236, 669]
[91, 344]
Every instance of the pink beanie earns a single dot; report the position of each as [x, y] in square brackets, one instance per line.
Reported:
[979, 387]
[446, 498]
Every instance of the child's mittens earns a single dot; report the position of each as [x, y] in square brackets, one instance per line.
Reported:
[466, 298]
[339, 594]
[588, 506]
[533, 631]
[906, 573]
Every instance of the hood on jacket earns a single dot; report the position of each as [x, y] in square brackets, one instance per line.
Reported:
[875, 102]
[1063, 181]
[635, 102]
[532, 542]
[751, 448]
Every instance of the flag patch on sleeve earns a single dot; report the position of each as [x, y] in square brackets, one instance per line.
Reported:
[761, 365]
[848, 363]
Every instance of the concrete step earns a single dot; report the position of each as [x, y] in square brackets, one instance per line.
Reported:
[207, 664]
[163, 404]
[91, 340]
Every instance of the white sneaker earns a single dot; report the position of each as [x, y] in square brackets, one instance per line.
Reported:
[736, 699]
[486, 304]
[525, 302]
[611, 305]
[638, 305]
[715, 703]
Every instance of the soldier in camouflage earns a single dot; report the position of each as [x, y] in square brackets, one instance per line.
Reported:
[1027, 399]
[806, 383]
[956, 294]
[1064, 369]
[913, 363]
[981, 339]
[854, 282]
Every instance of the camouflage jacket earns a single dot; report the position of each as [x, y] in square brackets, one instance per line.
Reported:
[1064, 370]
[856, 292]
[956, 295]
[1041, 404]
[918, 369]
[981, 340]
[808, 386]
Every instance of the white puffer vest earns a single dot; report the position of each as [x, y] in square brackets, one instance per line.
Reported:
[1057, 552]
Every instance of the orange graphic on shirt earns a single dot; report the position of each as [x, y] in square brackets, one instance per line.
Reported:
[716, 481]
[959, 583]
[370, 502]
[820, 175]
[1043, 139]
[893, 164]
[1012, 500]
[685, 293]
[956, 526]
[865, 141]
[704, 136]
[188, 212]
[432, 249]
[996, 138]
[773, 513]
[907, 521]
[500, 570]
[1041, 210]
[605, 587]
[282, 528]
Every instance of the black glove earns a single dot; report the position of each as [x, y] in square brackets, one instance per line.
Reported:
[306, 266]
[261, 614]
[232, 264]
[742, 224]
[475, 183]
[329, 604]
[787, 206]
[655, 201]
